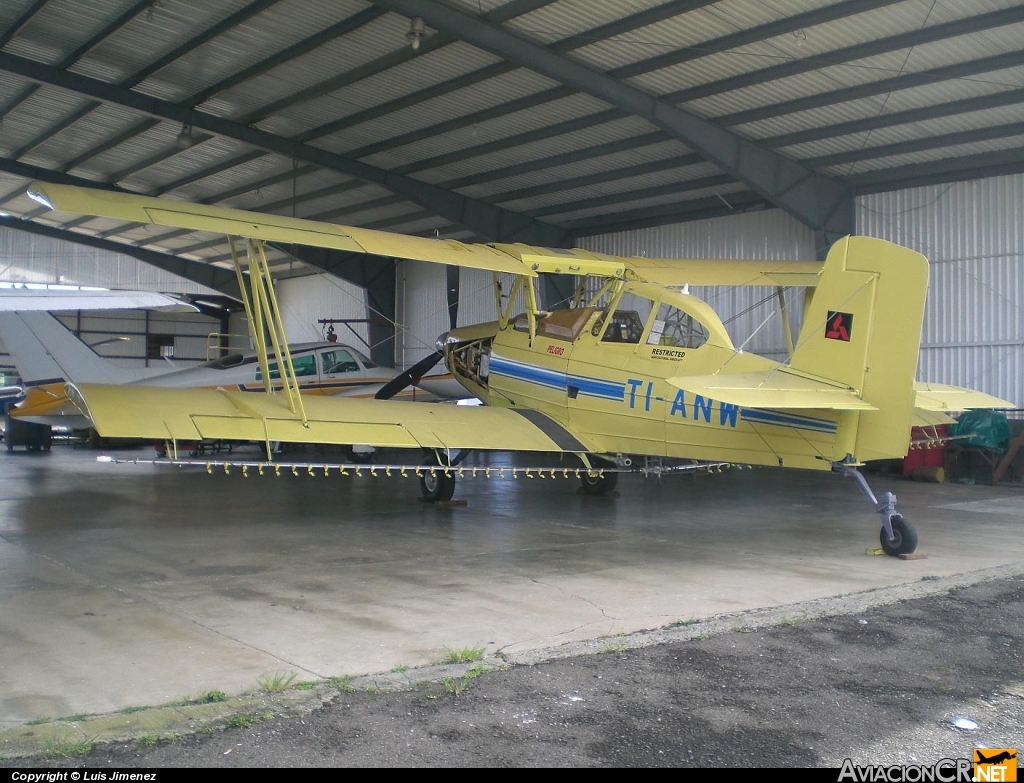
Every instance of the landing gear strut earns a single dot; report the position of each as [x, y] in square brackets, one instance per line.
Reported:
[897, 536]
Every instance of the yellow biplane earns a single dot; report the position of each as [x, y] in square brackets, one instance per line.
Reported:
[636, 369]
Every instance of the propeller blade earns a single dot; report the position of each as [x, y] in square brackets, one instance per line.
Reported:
[408, 377]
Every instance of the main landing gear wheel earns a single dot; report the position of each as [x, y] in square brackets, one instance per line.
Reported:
[597, 484]
[904, 540]
[435, 486]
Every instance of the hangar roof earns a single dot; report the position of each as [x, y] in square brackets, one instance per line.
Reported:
[534, 120]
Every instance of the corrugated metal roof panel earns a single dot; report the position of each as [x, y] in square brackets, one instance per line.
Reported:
[687, 30]
[508, 125]
[954, 124]
[61, 26]
[421, 72]
[813, 43]
[668, 172]
[328, 61]
[283, 24]
[568, 18]
[527, 153]
[651, 202]
[89, 132]
[22, 125]
[961, 122]
[622, 188]
[923, 57]
[881, 106]
[468, 100]
[156, 33]
[775, 91]
[942, 153]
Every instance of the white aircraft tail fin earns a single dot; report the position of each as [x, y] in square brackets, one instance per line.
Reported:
[45, 351]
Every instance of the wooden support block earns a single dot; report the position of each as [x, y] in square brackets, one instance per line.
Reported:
[914, 556]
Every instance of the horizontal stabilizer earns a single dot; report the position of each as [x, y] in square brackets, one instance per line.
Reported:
[779, 388]
[941, 397]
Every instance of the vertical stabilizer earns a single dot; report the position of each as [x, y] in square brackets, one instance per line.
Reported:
[45, 351]
[862, 328]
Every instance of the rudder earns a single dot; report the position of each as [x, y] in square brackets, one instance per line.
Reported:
[862, 327]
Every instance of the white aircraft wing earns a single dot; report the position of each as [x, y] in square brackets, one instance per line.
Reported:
[29, 299]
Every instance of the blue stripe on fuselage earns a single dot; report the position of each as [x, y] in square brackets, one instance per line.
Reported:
[598, 387]
[529, 373]
[554, 379]
[790, 420]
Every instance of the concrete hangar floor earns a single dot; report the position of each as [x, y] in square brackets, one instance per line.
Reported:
[128, 585]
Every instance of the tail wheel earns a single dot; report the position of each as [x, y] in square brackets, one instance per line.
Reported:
[598, 484]
[435, 485]
[904, 540]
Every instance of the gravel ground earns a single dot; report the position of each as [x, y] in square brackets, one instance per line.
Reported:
[877, 679]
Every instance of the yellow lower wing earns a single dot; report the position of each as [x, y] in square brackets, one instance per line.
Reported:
[195, 414]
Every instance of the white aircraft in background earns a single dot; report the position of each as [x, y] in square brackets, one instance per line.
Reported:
[47, 354]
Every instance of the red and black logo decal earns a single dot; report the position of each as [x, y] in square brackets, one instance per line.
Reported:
[839, 326]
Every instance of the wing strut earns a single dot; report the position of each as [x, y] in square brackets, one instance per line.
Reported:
[784, 312]
[265, 318]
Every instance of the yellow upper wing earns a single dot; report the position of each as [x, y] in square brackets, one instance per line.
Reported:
[272, 228]
[164, 413]
[670, 271]
[693, 271]
[517, 258]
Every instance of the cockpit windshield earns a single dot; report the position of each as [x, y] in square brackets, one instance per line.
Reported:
[367, 363]
[677, 328]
